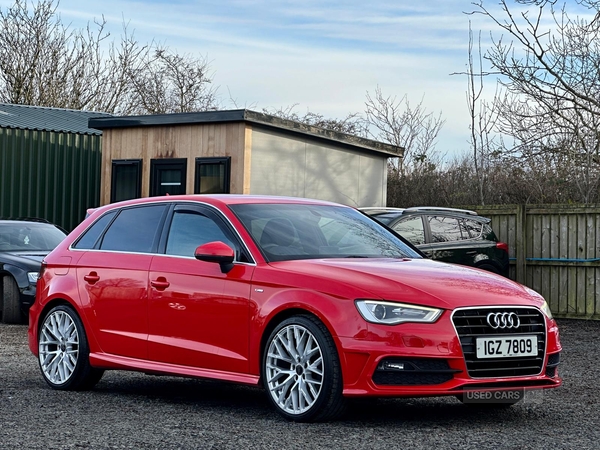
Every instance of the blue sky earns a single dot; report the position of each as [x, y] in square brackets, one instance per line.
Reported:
[322, 55]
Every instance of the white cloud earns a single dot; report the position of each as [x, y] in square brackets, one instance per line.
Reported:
[321, 54]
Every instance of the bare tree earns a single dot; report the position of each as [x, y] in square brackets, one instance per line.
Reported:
[413, 128]
[353, 123]
[483, 118]
[45, 63]
[172, 83]
[550, 74]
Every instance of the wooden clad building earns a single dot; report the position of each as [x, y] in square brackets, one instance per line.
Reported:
[241, 152]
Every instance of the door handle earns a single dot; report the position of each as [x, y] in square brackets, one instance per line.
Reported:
[92, 278]
[160, 283]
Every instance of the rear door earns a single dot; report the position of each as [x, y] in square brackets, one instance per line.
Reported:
[198, 315]
[113, 278]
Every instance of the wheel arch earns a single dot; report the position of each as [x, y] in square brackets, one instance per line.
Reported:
[276, 320]
[284, 314]
[44, 311]
[483, 264]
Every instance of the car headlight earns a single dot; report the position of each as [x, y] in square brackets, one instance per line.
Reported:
[32, 277]
[389, 313]
[546, 309]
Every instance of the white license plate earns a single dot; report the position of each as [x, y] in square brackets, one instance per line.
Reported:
[506, 347]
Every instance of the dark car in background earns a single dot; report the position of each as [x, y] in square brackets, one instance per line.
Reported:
[23, 245]
[447, 234]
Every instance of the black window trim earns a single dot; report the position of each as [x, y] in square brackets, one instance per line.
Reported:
[213, 160]
[167, 162]
[164, 229]
[98, 244]
[124, 162]
[114, 211]
[215, 214]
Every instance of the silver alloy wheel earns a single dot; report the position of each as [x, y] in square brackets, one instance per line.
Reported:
[58, 347]
[294, 369]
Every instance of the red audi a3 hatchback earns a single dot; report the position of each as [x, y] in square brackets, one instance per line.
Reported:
[313, 300]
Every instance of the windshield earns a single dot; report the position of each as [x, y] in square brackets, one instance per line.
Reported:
[299, 231]
[26, 236]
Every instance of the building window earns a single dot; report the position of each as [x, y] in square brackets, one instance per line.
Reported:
[212, 175]
[126, 180]
[167, 176]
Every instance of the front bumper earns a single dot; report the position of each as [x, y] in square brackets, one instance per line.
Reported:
[428, 360]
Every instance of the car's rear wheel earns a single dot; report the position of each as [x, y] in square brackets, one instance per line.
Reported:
[11, 305]
[64, 351]
[489, 268]
[301, 371]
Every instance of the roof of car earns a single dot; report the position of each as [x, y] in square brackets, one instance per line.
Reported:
[387, 215]
[220, 200]
[397, 211]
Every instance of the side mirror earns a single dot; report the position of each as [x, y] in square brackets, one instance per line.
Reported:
[216, 252]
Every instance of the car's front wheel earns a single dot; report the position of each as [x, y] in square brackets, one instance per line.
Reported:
[64, 351]
[301, 371]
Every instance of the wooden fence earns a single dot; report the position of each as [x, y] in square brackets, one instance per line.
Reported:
[553, 250]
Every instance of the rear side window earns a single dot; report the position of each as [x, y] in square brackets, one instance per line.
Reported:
[134, 230]
[91, 236]
[412, 230]
[444, 229]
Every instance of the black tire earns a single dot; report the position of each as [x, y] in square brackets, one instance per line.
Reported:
[11, 303]
[64, 351]
[315, 374]
[489, 268]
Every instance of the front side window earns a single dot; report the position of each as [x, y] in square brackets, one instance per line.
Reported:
[288, 231]
[134, 230]
[191, 229]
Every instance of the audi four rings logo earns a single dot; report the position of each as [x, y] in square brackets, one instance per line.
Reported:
[503, 320]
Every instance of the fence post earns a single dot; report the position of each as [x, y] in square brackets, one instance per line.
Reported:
[520, 244]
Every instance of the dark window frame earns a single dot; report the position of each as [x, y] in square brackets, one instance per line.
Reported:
[157, 164]
[113, 182]
[100, 243]
[225, 160]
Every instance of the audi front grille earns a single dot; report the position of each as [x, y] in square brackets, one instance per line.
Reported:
[471, 323]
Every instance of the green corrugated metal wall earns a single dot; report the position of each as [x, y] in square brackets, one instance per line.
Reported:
[54, 176]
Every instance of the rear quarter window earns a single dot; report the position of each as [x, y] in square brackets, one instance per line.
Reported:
[471, 228]
[89, 239]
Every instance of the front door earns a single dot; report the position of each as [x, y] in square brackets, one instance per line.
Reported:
[198, 315]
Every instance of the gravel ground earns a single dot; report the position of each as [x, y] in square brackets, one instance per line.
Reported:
[136, 411]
